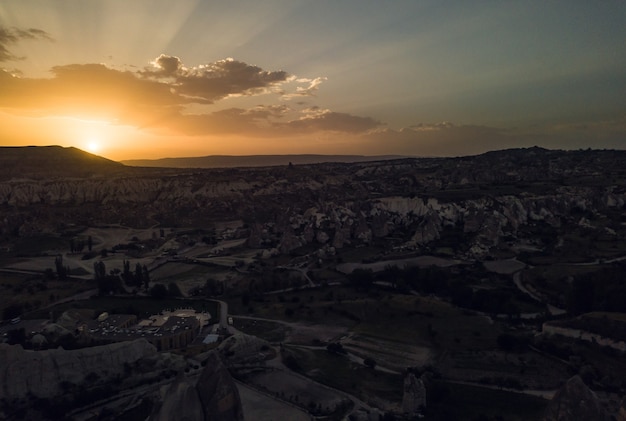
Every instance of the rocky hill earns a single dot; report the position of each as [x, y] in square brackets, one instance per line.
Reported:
[49, 384]
[487, 199]
[575, 401]
[212, 396]
[50, 162]
[43, 374]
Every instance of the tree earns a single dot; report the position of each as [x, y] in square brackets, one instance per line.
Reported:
[62, 271]
[173, 290]
[146, 277]
[335, 348]
[127, 275]
[158, 291]
[361, 278]
[213, 287]
[12, 311]
[512, 343]
[245, 299]
[580, 297]
[139, 275]
[109, 284]
[16, 336]
[99, 270]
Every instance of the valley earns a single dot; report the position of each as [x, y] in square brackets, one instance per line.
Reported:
[439, 287]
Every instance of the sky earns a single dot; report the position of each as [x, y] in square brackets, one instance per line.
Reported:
[161, 78]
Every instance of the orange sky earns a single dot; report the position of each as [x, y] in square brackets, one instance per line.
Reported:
[152, 79]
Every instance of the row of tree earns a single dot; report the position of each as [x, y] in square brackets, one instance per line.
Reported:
[111, 283]
[78, 245]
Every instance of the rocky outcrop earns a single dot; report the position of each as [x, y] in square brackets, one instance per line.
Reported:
[214, 396]
[621, 412]
[414, 395]
[44, 374]
[414, 201]
[575, 401]
[241, 348]
[180, 401]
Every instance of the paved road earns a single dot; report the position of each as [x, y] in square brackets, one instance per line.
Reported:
[224, 317]
[517, 279]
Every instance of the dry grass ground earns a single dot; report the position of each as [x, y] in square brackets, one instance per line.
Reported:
[258, 406]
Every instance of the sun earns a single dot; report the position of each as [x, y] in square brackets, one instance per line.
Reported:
[93, 146]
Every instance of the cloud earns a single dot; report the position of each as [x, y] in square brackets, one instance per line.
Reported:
[167, 66]
[169, 95]
[315, 119]
[304, 91]
[270, 121]
[10, 36]
[207, 83]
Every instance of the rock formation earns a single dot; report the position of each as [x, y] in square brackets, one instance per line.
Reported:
[241, 348]
[42, 374]
[214, 396]
[487, 198]
[414, 396]
[575, 401]
[621, 413]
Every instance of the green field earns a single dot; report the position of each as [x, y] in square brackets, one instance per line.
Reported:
[460, 402]
[339, 372]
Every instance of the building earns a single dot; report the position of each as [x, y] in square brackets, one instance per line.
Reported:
[170, 330]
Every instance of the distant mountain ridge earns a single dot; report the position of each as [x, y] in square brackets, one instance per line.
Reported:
[46, 162]
[229, 161]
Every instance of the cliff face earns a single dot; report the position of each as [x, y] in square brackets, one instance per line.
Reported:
[43, 373]
[487, 197]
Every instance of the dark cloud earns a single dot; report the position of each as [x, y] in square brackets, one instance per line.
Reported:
[10, 36]
[167, 66]
[209, 82]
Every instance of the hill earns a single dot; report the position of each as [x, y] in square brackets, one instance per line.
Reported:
[230, 161]
[49, 162]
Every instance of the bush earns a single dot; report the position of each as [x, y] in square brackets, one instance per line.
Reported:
[369, 362]
[336, 348]
[158, 291]
[173, 290]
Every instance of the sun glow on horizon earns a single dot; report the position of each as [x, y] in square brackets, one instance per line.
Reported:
[93, 145]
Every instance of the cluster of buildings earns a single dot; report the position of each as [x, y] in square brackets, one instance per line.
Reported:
[169, 330]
